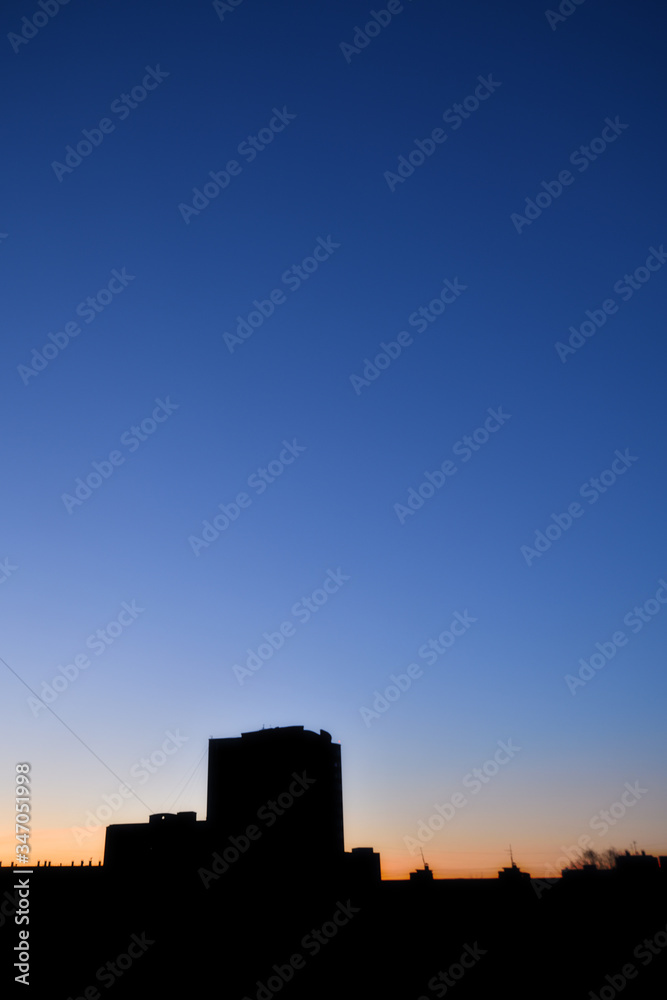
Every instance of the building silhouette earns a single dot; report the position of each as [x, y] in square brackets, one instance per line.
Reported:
[278, 790]
[284, 779]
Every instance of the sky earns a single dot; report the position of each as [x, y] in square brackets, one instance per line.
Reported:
[333, 378]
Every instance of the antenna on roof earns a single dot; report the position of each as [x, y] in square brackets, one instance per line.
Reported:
[511, 856]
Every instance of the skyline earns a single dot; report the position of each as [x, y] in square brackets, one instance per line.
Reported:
[111, 809]
[333, 377]
[231, 794]
[269, 855]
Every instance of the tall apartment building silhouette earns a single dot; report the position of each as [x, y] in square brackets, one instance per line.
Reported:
[284, 779]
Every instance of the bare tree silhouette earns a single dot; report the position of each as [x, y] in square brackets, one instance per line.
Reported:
[603, 860]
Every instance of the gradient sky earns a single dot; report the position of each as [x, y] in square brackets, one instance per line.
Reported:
[70, 567]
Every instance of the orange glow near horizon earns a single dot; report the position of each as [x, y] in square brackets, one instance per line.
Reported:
[59, 846]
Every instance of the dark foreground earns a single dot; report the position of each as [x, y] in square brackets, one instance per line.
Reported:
[98, 932]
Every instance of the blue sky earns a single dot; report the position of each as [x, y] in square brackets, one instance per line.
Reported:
[158, 349]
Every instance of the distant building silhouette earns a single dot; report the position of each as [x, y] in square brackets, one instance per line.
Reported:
[513, 875]
[637, 864]
[422, 876]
